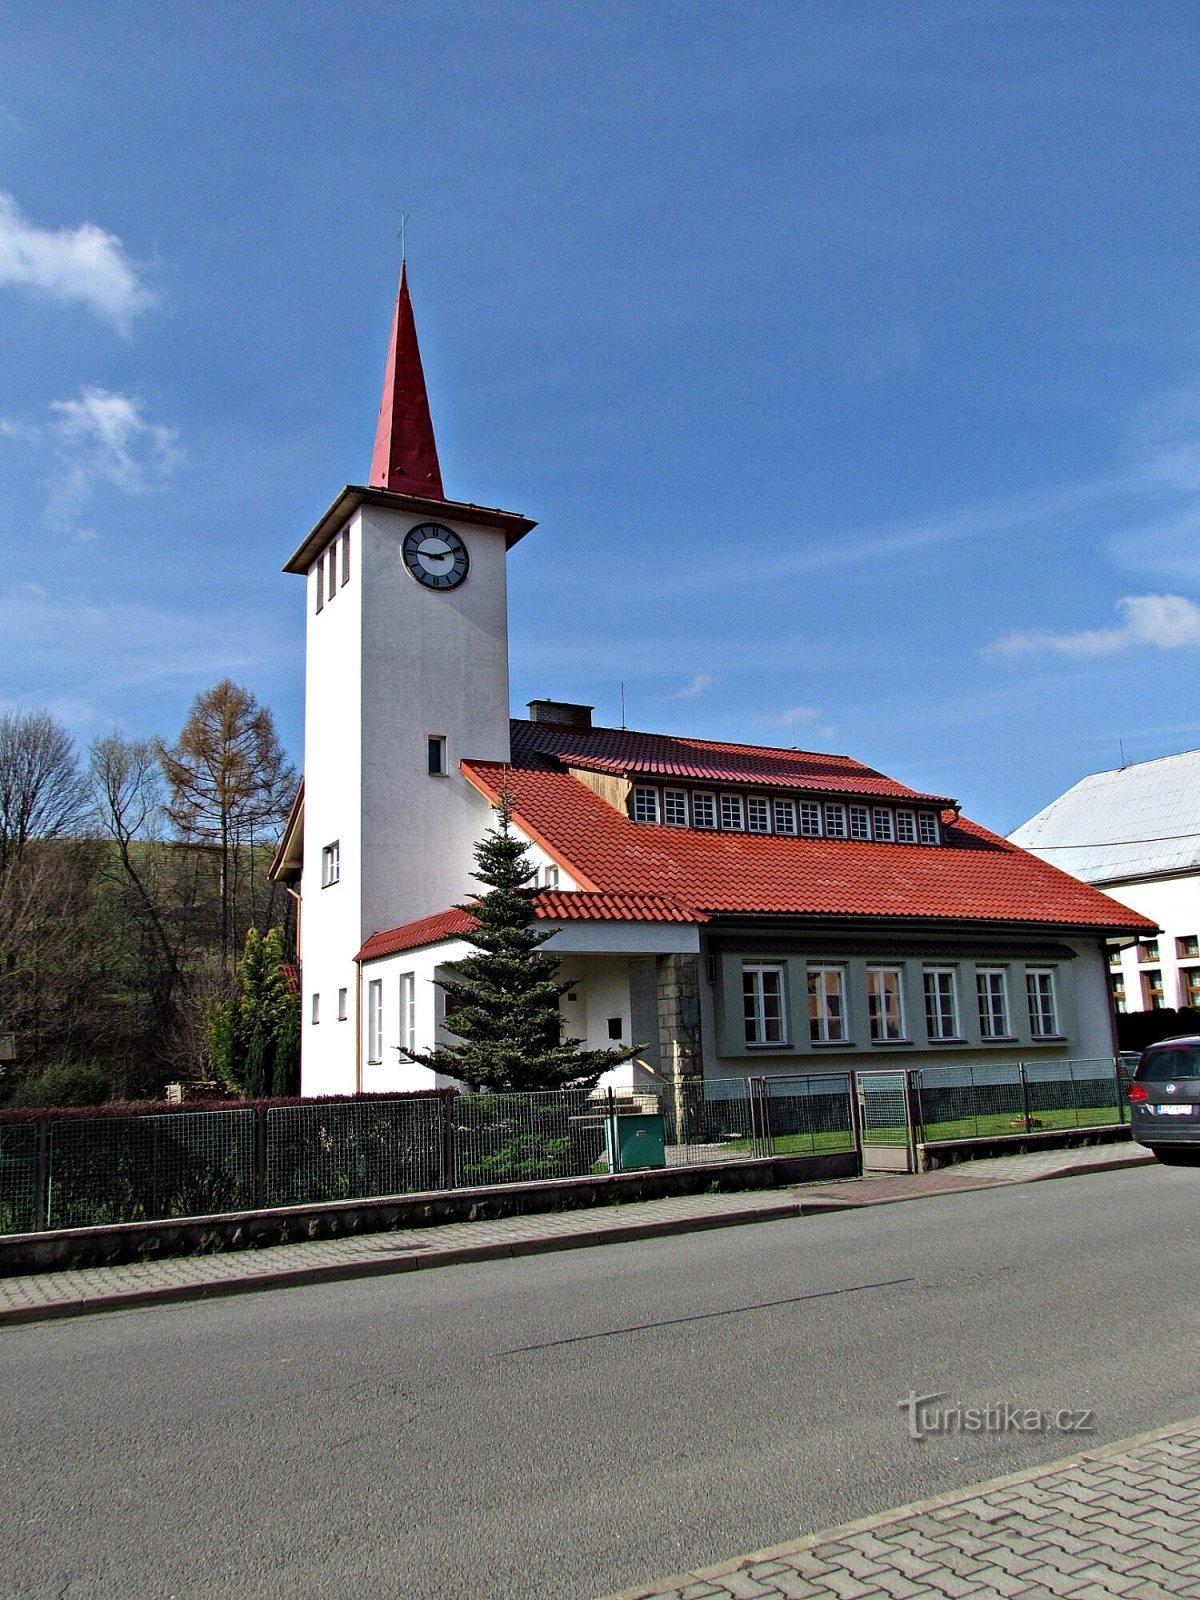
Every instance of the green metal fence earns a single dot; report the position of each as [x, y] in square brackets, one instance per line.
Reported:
[993, 1099]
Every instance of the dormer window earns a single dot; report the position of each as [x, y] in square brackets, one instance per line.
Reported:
[758, 814]
[704, 811]
[645, 805]
[906, 827]
[882, 822]
[675, 808]
[732, 817]
[927, 827]
[835, 821]
[810, 819]
[860, 822]
[785, 816]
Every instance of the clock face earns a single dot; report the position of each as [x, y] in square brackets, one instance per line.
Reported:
[436, 556]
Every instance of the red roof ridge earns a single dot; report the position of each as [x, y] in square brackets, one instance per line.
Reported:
[474, 772]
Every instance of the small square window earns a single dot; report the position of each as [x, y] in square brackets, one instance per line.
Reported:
[675, 808]
[785, 816]
[927, 827]
[1188, 946]
[550, 877]
[758, 814]
[835, 821]
[331, 863]
[437, 755]
[810, 819]
[906, 827]
[704, 811]
[645, 805]
[731, 812]
[615, 1027]
[860, 822]
[881, 820]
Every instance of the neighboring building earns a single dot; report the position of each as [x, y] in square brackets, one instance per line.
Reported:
[1135, 833]
[732, 909]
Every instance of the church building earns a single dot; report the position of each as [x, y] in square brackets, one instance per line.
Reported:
[733, 910]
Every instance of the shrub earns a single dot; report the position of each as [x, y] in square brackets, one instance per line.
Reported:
[68, 1083]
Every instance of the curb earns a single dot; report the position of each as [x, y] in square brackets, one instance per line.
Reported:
[661, 1588]
[423, 1258]
[408, 1260]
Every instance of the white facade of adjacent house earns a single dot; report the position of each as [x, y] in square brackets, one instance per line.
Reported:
[1134, 832]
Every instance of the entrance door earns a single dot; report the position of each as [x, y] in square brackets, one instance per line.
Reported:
[885, 1123]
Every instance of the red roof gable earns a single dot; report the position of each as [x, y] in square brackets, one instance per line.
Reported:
[974, 875]
[621, 750]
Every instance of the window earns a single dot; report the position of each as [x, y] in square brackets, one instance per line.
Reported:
[941, 1003]
[436, 755]
[345, 559]
[906, 827]
[1152, 989]
[758, 814]
[991, 987]
[1189, 987]
[550, 878]
[320, 583]
[316, 1008]
[1043, 1016]
[333, 569]
[375, 1021]
[408, 1011]
[826, 1004]
[885, 1004]
[1116, 984]
[810, 819]
[762, 1004]
[1148, 950]
[882, 821]
[331, 863]
[645, 805]
[835, 821]
[343, 995]
[785, 816]
[731, 812]
[704, 811]
[675, 808]
[1188, 946]
[927, 827]
[860, 822]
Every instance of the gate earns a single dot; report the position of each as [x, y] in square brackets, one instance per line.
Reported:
[885, 1121]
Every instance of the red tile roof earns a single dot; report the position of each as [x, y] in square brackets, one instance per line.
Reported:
[973, 876]
[620, 750]
[555, 905]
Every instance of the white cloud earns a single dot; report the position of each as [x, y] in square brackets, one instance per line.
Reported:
[83, 266]
[101, 436]
[1157, 621]
[699, 683]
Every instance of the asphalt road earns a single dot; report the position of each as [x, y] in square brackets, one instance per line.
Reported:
[556, 1427]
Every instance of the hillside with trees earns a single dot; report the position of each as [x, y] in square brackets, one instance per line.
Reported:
[130, 877]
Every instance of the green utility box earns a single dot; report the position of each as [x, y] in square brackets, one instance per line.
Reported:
[639, 1143]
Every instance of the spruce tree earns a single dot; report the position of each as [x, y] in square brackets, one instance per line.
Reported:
[254, 1038]
[502, 1001]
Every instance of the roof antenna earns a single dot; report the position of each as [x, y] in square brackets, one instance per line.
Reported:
[792, 720]
[1121, 742]
[622, 703]
[400, 235]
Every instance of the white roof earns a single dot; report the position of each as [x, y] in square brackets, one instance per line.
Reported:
[1135, 822]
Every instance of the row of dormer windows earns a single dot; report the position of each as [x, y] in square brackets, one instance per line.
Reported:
[731, 812]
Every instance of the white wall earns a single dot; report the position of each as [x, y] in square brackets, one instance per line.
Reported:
[1174, 903]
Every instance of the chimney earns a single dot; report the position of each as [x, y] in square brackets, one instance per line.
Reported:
[561, 712]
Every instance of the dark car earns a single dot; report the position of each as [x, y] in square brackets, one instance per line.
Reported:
[1164, 1099]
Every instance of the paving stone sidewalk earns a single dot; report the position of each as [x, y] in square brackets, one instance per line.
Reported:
[1123, 1520]
[57, 1294]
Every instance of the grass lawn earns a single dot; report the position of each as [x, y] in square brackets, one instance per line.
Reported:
[987, 1127]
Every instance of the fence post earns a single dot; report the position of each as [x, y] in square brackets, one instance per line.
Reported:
[614, 1143]
[41, 1182]
[1120, 1089]
[260, 1156]
[1025, 1097]
[449, 1174]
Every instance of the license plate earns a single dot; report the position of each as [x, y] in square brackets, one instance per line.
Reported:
[1174, 1111]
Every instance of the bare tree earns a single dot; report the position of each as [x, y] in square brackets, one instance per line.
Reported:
[43, 795]
[230, 784]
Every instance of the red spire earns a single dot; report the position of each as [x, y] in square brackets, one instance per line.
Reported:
[405, 458]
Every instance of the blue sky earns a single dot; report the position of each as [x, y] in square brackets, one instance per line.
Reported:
[847, 354]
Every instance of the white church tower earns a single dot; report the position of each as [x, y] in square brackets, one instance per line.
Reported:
[406, 674]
